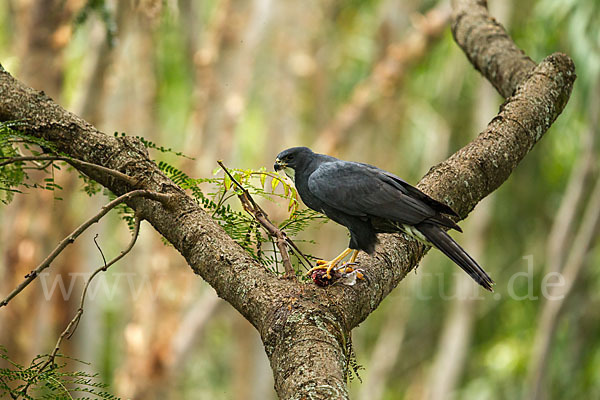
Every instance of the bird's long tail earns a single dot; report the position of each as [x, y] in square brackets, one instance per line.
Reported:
[440, 239]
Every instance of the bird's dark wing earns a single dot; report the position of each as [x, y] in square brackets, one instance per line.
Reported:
[412, 191]
[363, 190]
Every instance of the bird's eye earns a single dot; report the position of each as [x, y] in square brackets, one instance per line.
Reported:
[290, 157]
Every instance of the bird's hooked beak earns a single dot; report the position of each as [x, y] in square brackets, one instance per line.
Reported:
[279, 165]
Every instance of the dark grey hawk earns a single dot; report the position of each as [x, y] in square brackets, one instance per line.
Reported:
[368, 200]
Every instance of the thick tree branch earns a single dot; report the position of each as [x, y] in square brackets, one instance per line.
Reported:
[489, 48]
[480, 167]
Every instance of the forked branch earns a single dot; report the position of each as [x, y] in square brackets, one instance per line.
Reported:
[261, 216]
[70, 329]
[77, 232]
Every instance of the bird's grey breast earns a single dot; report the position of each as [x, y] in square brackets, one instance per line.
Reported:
[301, 179]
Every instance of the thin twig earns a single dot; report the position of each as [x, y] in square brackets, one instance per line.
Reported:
[71, 238]
[219, 203]
[275, 255]
[70, 329]
[99, 249]
[298, 253]
[76, 163]
[39, 167]
[261, 216]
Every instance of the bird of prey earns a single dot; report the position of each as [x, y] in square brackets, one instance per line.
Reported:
[368, 200]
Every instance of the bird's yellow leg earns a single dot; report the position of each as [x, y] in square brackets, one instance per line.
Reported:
[354, 255]
[329, 265]
[359, 274]
[350, 262]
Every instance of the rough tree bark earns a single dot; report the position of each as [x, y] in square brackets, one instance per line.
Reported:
[305, 328]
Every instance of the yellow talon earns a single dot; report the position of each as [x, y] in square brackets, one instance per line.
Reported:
[329, 265]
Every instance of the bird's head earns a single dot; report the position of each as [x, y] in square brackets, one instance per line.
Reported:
[291, 159]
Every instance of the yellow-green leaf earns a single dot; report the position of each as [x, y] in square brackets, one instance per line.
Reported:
[263, 177]
[274, 183]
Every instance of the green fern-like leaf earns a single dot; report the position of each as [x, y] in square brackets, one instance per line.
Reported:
[54, 382]
[151, 145]
[217, 195]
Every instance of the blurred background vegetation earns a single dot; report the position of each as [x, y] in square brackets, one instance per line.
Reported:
[377, 81]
